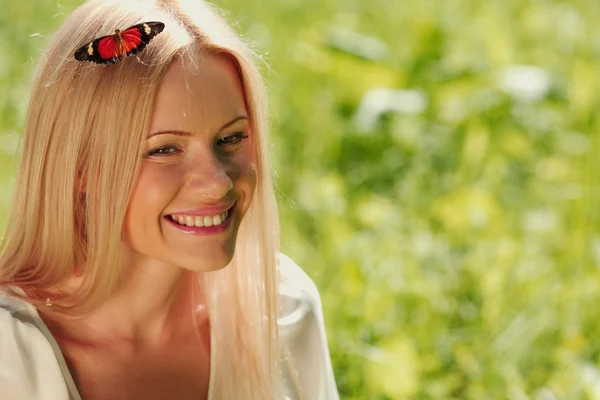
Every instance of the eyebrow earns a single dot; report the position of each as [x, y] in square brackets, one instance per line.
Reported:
[185, 133]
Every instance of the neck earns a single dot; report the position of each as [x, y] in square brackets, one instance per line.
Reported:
[154, 304]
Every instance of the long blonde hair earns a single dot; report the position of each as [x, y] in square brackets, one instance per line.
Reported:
[87, 123]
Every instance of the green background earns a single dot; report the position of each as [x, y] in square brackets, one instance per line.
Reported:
[454, 240]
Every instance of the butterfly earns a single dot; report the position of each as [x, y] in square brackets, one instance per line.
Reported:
[112, 48]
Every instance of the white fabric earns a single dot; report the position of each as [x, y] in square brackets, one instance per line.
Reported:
[32, 366]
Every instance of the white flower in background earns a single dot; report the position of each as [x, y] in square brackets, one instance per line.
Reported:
[591, 380]
[525, 82]
[9, 144]
[363, 46]
[378, 101]
[540, 220]
[545, 394]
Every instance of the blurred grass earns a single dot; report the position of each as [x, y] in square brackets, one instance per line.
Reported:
[455, 241]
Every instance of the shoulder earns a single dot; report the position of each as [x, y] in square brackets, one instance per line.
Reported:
[295, 283]
[300, 300]
[28, 365]
[290, 272]
[306, 359]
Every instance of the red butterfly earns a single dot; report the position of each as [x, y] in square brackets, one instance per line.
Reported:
[112, 48]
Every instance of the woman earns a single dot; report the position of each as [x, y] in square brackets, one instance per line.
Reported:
[141, 253]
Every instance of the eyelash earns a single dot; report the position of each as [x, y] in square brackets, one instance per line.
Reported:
[237, 139]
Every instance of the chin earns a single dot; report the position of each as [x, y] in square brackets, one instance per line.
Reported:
[206, 263]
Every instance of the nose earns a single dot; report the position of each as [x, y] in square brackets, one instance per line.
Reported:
[208, 177]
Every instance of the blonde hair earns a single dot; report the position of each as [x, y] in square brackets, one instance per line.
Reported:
[86, 124]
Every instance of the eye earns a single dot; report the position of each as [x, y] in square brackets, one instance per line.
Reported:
[162, 151]
[232, 141]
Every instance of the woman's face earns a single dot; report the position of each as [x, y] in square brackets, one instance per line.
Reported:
[198, 172]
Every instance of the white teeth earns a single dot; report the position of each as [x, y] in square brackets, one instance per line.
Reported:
[189, 220]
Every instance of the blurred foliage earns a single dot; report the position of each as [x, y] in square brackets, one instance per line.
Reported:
[437, 168]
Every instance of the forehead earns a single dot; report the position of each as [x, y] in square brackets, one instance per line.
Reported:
[198, 94]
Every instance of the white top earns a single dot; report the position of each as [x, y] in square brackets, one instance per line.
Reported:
[32, 366]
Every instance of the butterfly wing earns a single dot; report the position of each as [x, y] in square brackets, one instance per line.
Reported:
[101, 51]
[137, 37]
[110, 49]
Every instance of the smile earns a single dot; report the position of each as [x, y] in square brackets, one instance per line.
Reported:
[194, 220]
[202, 225]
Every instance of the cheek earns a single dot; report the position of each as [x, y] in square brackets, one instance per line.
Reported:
[250, 180]
[252, 174]
[245, 165]
[155, 183]
[154, 188]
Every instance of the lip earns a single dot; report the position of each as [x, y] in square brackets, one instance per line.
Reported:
[204, 230]
[205, 211]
